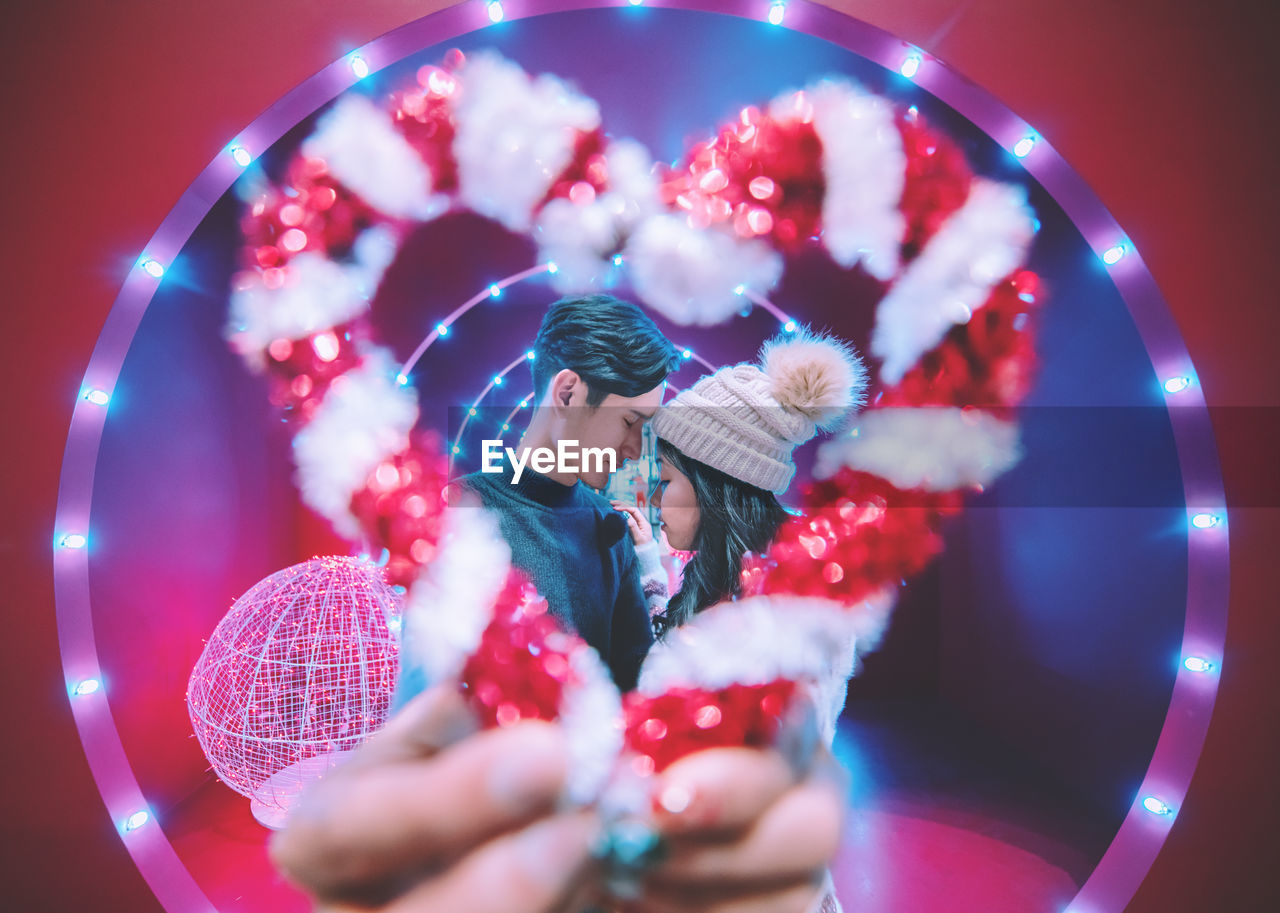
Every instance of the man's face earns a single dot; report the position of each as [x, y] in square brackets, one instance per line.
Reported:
[617, 423]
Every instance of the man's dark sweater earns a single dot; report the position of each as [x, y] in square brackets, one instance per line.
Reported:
[575, 548]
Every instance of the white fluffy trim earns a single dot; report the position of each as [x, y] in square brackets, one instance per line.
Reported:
[581, 238]
[515, 135]
[763, 638]
[451, 604]
[316, 295]
[370, 157]
[752, 642]
[591, 714]
[819, 376]
[982, 242]
[691, 275]
[865, 169]
[938, 449]
[364, 418]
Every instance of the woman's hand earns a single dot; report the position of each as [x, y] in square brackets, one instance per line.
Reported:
[430, 815]
[637, 523]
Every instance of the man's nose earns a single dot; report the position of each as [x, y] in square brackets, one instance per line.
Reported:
[631, 446]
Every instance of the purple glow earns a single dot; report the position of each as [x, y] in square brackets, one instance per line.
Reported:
[1126, 862]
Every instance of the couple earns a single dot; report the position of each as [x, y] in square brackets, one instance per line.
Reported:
[599, 370]
[431, 815]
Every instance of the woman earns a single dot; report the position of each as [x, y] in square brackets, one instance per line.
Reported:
[725, 446]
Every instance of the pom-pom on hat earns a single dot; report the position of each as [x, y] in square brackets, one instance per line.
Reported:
[746, 419]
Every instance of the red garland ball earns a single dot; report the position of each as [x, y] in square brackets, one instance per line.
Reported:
[663, 729]
[937, 182]
[522, 665]
[988, 362]
[424, 115]
[760, 176]
[316, 214]
[857, 534]
[585, 176]
[301, 370]
[401, 506]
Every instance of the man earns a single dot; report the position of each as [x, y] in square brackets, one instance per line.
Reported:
[599, 369]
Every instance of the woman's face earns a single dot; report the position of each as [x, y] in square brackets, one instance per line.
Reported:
[675, 501]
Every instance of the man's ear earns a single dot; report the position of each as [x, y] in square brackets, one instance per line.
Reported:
[567, 389]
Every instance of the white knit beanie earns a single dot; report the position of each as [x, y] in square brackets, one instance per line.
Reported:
[746, 419]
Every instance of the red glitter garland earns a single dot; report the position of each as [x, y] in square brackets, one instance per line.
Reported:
[664, 728]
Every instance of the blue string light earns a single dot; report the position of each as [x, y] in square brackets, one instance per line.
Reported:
[152, 267]
[1156, 806]
[73, 540]
[1114, 254]
[910, 65]
[359, 66]
[776, 11]
[241, 155]
[135, 821]
[1198, 664]
[97, 397]
[88, 686]
[495, 11]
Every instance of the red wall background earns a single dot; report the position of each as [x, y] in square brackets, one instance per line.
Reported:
[1165, 108]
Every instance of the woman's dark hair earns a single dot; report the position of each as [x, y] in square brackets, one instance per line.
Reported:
[735, 518]
[611, 344]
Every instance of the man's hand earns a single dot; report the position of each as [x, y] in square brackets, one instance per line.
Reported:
[430, 815]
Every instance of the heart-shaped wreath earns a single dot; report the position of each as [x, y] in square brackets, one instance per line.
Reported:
[831, 165]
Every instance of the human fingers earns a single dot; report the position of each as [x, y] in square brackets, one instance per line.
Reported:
[794, 838]
[428, 723]
[719, 790]
[641, 532]
[533, 870]
[364, 828]
[793, 897]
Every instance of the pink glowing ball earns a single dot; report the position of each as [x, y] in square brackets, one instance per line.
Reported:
[300, 671]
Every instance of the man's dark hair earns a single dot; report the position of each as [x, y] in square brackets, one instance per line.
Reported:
[611, 344]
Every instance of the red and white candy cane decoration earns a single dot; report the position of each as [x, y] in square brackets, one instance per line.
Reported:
[831, 165]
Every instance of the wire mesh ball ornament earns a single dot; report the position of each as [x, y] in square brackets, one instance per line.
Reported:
[298, 672]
